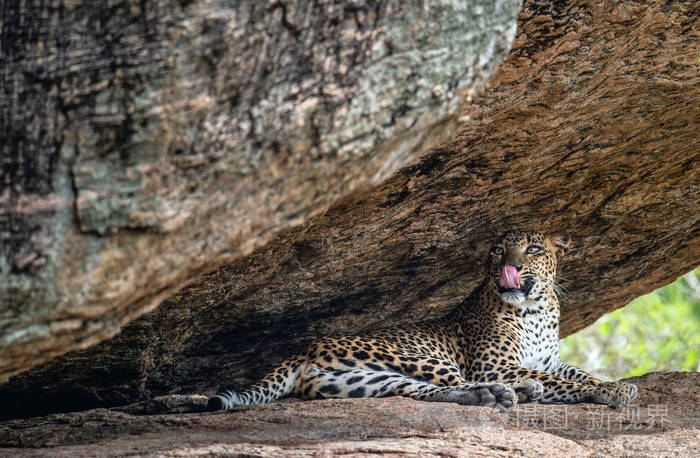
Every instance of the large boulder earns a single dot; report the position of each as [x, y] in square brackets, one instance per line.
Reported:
[590, 125]
[147, 142]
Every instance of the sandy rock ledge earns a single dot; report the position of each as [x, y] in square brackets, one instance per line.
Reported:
[663, 421]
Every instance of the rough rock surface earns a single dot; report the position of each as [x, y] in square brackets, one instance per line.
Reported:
[147, 142]
[663, 421]
[590, 125]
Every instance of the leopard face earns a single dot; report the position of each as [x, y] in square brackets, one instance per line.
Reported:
[522, 265]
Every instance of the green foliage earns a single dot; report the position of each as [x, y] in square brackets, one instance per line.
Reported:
[659, 331]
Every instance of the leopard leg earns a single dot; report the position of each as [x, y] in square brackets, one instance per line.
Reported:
[528, 391]
[571, 372]
[440, 372]
[561, 390]
[318, 383]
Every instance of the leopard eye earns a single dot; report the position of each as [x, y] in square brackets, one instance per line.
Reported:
[497, 251]
[534, 249]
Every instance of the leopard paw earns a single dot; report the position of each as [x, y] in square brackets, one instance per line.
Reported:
[529, 391]
[632, 389]
[615, 394]
[495, 395]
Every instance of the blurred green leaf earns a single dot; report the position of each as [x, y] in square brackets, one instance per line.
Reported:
[656, 332]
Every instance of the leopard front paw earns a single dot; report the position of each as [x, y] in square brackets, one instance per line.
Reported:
[529, 391]
[495, 395]
[614, 394]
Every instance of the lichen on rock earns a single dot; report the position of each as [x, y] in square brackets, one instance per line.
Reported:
[150, 142]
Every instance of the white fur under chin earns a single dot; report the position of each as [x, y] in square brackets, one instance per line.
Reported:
[513, 297]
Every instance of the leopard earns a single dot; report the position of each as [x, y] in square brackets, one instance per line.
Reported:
[499, 347]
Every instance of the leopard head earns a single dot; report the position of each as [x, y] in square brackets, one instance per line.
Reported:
[522, 265]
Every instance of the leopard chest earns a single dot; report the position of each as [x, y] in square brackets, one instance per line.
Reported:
[538, 334]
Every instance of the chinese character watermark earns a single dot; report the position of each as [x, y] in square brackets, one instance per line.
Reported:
[596, 418]
[658, 414]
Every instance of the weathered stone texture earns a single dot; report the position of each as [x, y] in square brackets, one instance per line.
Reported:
[145, 143]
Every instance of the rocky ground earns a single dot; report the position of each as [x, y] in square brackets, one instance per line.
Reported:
[663, 421]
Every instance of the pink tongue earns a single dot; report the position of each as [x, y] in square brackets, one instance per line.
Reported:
[509, 277]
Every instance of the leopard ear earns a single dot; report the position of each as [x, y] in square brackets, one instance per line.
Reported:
[561, 242]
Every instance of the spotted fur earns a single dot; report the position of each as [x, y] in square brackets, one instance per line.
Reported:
[500, 347]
